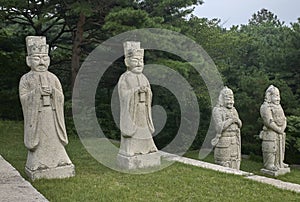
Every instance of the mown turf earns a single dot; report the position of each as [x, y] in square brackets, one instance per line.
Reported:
[95, 182]
[253, 165]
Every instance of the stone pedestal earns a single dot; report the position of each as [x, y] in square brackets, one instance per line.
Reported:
[281, 171]
[138, 161]
[51, 173]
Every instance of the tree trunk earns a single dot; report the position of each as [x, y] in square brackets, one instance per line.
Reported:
[76, 49]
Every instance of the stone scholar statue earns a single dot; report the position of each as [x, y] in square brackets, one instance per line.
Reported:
[273, 135]
[42, 102]
[137, 149]
[227, 142]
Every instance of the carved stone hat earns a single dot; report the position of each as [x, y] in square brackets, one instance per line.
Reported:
[132, 48]
[36, 45]
[269, 92]
[226, 91]
[223, 94]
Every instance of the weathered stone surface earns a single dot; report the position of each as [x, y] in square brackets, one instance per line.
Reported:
[136, 123]
[138, 161]
[42, 102]
[14, 188]
[202, 164]
[281, 171]
[227, 142]
[273, 135]
[277, 183]
[57, 172]
[274, 182]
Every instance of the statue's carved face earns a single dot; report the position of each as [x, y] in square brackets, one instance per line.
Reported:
[228, 101]
[38, 62]
[135, 64]
[275, 97]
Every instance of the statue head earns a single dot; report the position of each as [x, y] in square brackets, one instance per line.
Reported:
[272, 95]
[134, 56]
[226, 98]
[37, 50]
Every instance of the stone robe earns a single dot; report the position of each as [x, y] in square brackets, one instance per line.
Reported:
[228, 148]
[273, 145]
[44, 127]
[135, 115]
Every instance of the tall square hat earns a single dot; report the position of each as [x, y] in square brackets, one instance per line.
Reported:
[36, 45]
[132, 48]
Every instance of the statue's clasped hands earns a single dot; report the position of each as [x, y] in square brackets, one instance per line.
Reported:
[143, 89]
[237, 121]
[46, 90]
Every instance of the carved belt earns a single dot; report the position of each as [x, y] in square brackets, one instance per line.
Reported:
[229, 134]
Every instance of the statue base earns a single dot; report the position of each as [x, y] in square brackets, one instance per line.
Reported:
[281, 171]
[51, 173]
[138, 161]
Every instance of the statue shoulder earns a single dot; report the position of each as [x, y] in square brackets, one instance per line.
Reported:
[143, 75]
[26, 77]
[235, 111]
[125, 76]
[52, 76]
[217, 110]
[265, 106]
[265, 110]
[122, 77]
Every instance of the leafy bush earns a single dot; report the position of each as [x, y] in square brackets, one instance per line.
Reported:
[293, 139]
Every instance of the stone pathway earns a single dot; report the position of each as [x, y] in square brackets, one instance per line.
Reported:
[277, 183]
[274, 182]
[14, 188]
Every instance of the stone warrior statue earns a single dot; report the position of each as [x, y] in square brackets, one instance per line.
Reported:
[42, 102]
[135, 104]
[227, 124]
[273, 135]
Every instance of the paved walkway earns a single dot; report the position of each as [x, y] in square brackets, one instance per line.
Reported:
[274, 182]
[14, 188]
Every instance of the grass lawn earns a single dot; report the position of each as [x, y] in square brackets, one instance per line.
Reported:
[95, 182]
[253, 165]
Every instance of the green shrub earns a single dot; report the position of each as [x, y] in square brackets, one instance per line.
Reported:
[293, 139]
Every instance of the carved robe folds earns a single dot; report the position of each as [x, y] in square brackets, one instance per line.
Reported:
[228, 148]
[44, 127]
[135, 117]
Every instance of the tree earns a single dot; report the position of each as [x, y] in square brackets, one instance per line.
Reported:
[265, 17]
[38, 17]
[86, 29]
[170, 10]
[55, 20]
[293, 59]
[293, 138]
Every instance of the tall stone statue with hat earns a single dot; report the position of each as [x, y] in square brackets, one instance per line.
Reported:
[42, 102]
[272, 134]
[227, 126]
[137, 149]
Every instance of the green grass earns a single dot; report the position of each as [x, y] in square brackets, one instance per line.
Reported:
[246, 165]
[253, 165]
[95, 182]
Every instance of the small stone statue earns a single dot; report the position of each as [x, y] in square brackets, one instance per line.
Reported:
[227, 124]
[42, 102]
[135, 116]
[273, 135]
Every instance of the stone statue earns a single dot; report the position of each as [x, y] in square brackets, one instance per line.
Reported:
[42, 102]
[227, 142]
[273, 135]
[135, 110]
